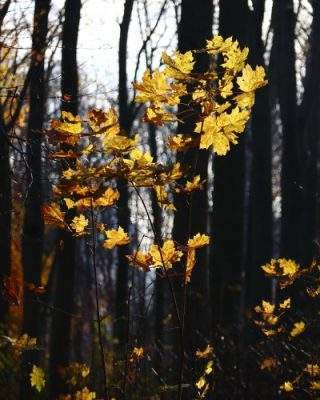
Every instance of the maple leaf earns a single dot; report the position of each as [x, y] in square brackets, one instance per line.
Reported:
[312, 369]
[201, 382]
[142, 159]
[109, 198]
[141, 260]
[234, 57]
[217, 44]
[208, 351]
[212, 135]
[179, 142]
[225, 88]
[116, 237]
[251, 79]
[120, 144]
[198, 240]
[22, 343]
[158, 116]
[281, 267]
[315, 385]
[69, 124]
[166, 255]
[245, 100]
[37, 378]
[298, 328]
[52, 215]
[287, 386]
[155, 88]
[104, 121]
[79, 224]
[190, 263]
[137, 354]
[85, 394]
[268, 363]
[193, 185]
[285, 304]
[179, 65]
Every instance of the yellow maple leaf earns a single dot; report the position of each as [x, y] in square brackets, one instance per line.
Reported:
[52, 215]
[195, 184]
[190, 263]
[158, 116]
[208, 351]
[104, 122]
[141, 260]
[234, 57]
[212, 135]
[179, 142]
[85, 394]
[245, 100]
[79, 224]
[179, 65]
[137, 354]
[201, 382]
[298, 328]
[109, 198]
[251, 79]
[225, 88]
[198, 240]
[37, 379]
[281, 267]
[217, 44]
[287, 386]
[116, 237]
[315, 385]
[142, 159]
[268, 363]
[69, 124]
[312, 369]
[285, 304]
[119, 143]
[166, 255]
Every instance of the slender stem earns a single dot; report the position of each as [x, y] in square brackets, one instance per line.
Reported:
[93, 237]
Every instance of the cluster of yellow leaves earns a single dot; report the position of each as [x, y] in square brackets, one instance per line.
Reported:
[221, 99]
[202, 383]
[168, 254]
[20, 344]
[219, 123]
[137, 354]
[37, 378]
[74, 373]
[268, 319]
[311, 372]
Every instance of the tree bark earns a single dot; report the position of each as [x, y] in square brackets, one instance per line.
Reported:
[228, 195]
[66, 261]
[125, 119]
[32, 239]
[283, 67]
[260, 200]
[309, 128]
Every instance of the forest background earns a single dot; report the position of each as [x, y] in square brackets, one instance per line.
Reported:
[108, 329]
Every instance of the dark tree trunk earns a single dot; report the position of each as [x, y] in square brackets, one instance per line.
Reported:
[5, 214]
[66, 260]
[32, 239]
[159, 281]
[260, 200]
[228, 195]
[309, 128]
[5, 197]
[283, 66]
[191, 217]
[125, 118]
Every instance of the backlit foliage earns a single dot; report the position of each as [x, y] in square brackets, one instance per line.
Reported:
[221, 99]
